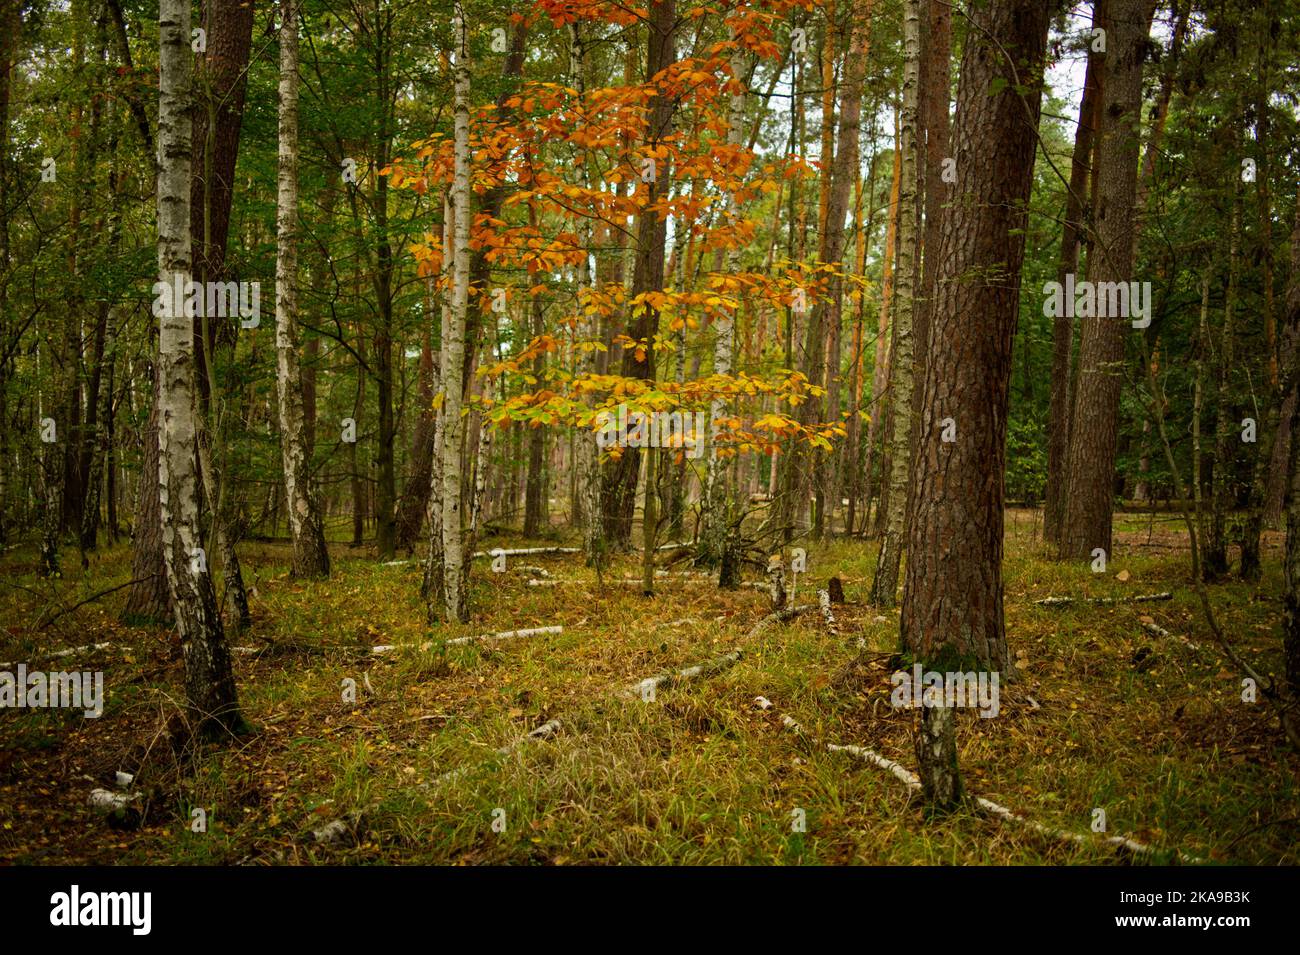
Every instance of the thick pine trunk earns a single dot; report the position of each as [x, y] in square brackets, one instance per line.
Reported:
[1094, 426]
[1062, 390]
[952, 598]
[936, 83]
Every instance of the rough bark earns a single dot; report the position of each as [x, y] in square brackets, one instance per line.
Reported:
[936, 83]
[952, 596]
[620, 479]
[1062, 386]
[884, 585]
[1222, 490]
[1095, 424]
[147, 601]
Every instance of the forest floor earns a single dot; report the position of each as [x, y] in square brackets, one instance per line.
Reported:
[1103, 714]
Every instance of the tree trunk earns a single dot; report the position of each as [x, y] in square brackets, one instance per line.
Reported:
[415, 495]
[936, 83]
[209, 682]
[880, 367]
[1062, 386]
[310, 557]
[455, 606]
[1253, 528]
[1291, 384]
[719, 492]
[1095, 421]
[952, 598]
[844, 175]
[620, 480]
[535, 483]
[884, 586]
[147, 601]
[1222, 494]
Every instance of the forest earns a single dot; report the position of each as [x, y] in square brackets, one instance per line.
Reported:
[664, 433]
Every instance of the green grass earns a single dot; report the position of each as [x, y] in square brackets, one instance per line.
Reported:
[1163, 745]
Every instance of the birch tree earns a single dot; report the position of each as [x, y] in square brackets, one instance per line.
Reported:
[587, 452]
[453, 345]
[719, 499]
[310, 556]
[209, 682]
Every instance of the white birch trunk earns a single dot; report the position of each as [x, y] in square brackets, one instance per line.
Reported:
[588, 454]
[209, 683]
[453, 346]
[310, 557]
[717, 492]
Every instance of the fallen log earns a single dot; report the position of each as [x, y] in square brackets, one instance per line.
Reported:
[526, 551]
[504, 635]
[1150, 626]
[824, 602]
[56, 654]
[481, 638]
[646, 688]
[1103, 601]
[913, 784]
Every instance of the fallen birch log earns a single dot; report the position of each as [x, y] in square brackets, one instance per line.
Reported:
[338, 829]
[779, 616]
[504, 635]
[1103, 601]
[1152, 627]
[481, 638]
[526, 551]
[824, 602]
[646, 688]
[913, 784]
[56, 654]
